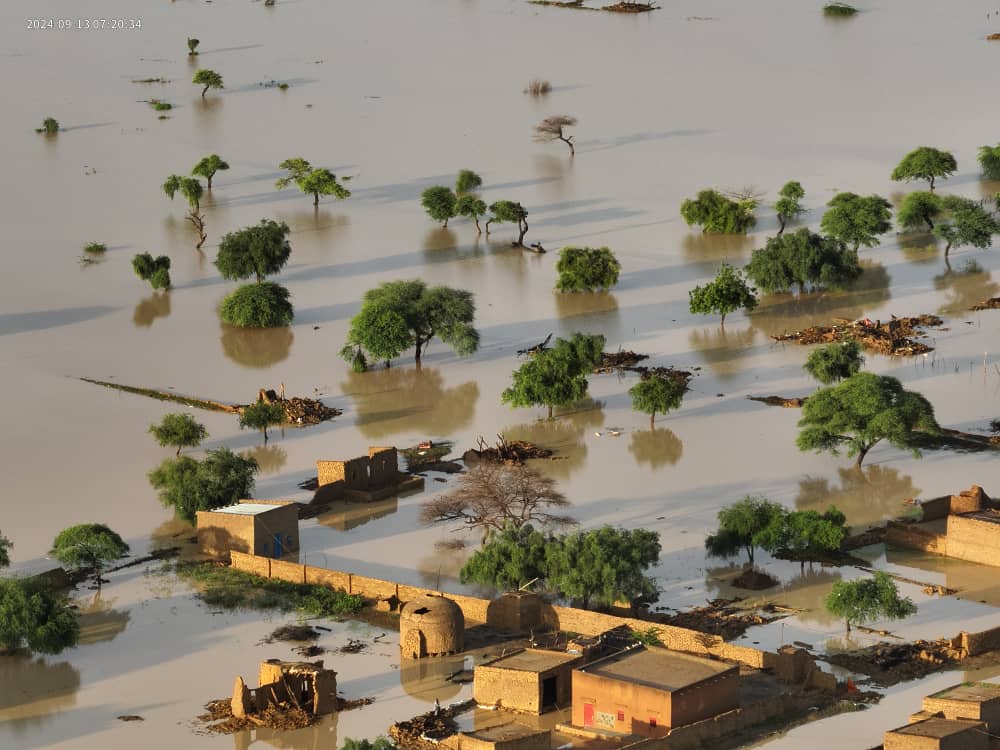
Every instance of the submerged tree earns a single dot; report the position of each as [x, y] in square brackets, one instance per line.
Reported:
[989, 161]
[741, 525]
[208, 79]
[717, 214]
[191, 189]
[188, 485]
[472, 207]
[556, 376]
[834, 362]
[256, 252]
[657, 395]
[261, 305]
[918, 211]
[35, 618]
[587, 269]
[726, 293]
[401, 314]
[88, 546]
[857, 220]
[552, 129]
[925, 163]
[509, 559]
[861, 411]
[5, 545]
[439, 203]
[207, 166]
[50, 126]
[193, 46]
[505, 212]
[802, 257]
[315, 181]
[966, 222]
[179, 430]
[261, 415]
[788, 207]
[492, 497]
[868, 599]
[467, 181]
[804, 535]
[154, 270]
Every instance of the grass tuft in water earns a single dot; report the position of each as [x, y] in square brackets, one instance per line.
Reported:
[839, 9]
[95, 248]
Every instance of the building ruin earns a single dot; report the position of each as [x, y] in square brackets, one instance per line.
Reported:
[288, 684]
[365, 478]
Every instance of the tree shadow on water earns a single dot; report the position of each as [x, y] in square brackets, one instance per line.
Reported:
[156, 305]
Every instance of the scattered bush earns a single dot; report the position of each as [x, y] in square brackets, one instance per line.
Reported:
[50, 126]
[989, 161]
[839, 9]
[717, 214]
[160, 106]
[95, 248]
[538, 87]
[263, 305]
[154, 270]
[587, 269]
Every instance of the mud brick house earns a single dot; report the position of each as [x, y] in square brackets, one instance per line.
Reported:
[366, 478]
[503, 737]
[964, 526]
[304, 684]
[646, 691]
[269, 528]
[938, 734]
[430, 625]
[976, 701]
[530, 680]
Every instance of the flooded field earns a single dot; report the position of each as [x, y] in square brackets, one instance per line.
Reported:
[722, 93]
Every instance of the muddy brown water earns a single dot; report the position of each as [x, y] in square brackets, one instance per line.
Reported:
[400, 98]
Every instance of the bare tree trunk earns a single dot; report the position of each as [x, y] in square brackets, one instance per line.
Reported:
[651, 418]
[488, 227]
[550, 411]
[420, 346]
[205, 90]
[932, 190]
[210, 181]
[861, 456]
[265, 435]
[523, 226]
[947, 249]
[476, 219]
[569, 142]
[316, 199]
[781, 218]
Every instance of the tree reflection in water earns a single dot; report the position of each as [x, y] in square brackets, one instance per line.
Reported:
[564, 434]
[706, 251]
[919, 247]
[722, 349]
[656, 448]
[258, 348]
[35, 688]
[871, 494]
[270, 458]
[156, 305]
[98, 621]
[965, 287]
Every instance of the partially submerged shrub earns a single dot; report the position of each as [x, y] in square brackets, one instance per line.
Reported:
[160, 105]
[263, 305]
[538, 87]
[50, 126]
[95, 247]
[839, 9]
[154, 270]
[587, 269]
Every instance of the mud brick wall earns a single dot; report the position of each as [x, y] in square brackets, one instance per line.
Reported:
[513, 689]
[970, 500]
[988, 710]
[913, 537]
[328, 472]
[936, 509]
[974, 540]
[973, 738]
[981, 642]
[540, 740]
[384, 464]
[258, 566]
[218, 532]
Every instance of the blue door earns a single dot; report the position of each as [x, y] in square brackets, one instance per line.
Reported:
[278, 551]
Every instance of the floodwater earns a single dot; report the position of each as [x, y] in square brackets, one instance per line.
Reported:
[400, 97]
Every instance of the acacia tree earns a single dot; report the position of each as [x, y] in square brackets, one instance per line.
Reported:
[716, 213]
[401, 314]
[509, 559]
[989, 161]
[925, 163]
[804, 535]
[604, 565]
[439, 203]
[788, 207]
[857, 219]
[315, 181]
[209, 79]
[556, 376]
[193, 46]
[178, 430]
[32, 617]
[255, 251]
[188, 485]
[653, 394]
[491, 497]
[261, 415]
[207, 166]
[802, 257]
[88, 546]
[867, 600]
[741, 526]
[472, 207]
[467, 181]
[552, 129]
[191, 189]
[834, 362]
[918, 210]
[509, 212]
[726, 293]
[966, 223]
[154, 270]
[860, 412]
[586, 269]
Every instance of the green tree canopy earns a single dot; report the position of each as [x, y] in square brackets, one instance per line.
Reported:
[726, 293]
[439, 203]
[258, 250]
[261, 305]
[925, 163]
[857, 220]
[868, 599]
[789, 207]
[5, 545]
[717, 214]
[208, 79]
[509, 559]
[834, 362]
[193, 46]
[467, 181]
[509, 212]
[860, 412]
[472, 207]
[188, 485]
[88, 546]
[50, 126]
[802, 257]
[154, 270]
[556, 376]
[989, 161]
[34, 618]
[261, 415]
[653, 395]
[918, 211]
[586, 269]
[189, 187]
[315, 181]
[604, 565]
[966, 222]
[207, 166]
[804, 535]
[741, 525]
[401, 314]
[180, 430]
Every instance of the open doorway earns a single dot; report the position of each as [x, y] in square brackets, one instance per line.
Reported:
[550, 694]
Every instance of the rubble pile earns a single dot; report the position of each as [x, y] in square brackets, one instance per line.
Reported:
[423, 732]
[993, 303]
[220, 720]
[299, 411]
[665, 373]
[618, 361]
[889, 663]
[512, 452]
[893, 337]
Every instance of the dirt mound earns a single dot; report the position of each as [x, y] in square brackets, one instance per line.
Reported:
[666, 373]
[993, 303]
[755, 580]
[430, 456]
[894, 337]
[793, 402]
[293, 633]
[220, 720]
[308, 411]
[512, 452]
[718, 617]
[618, 361]
[630, 7]
[889, 663]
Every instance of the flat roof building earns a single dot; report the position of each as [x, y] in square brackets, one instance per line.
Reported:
[532, 680]
[269, 528]
[505, 737]
[646, 691]
[979, 701]
[938, 734]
